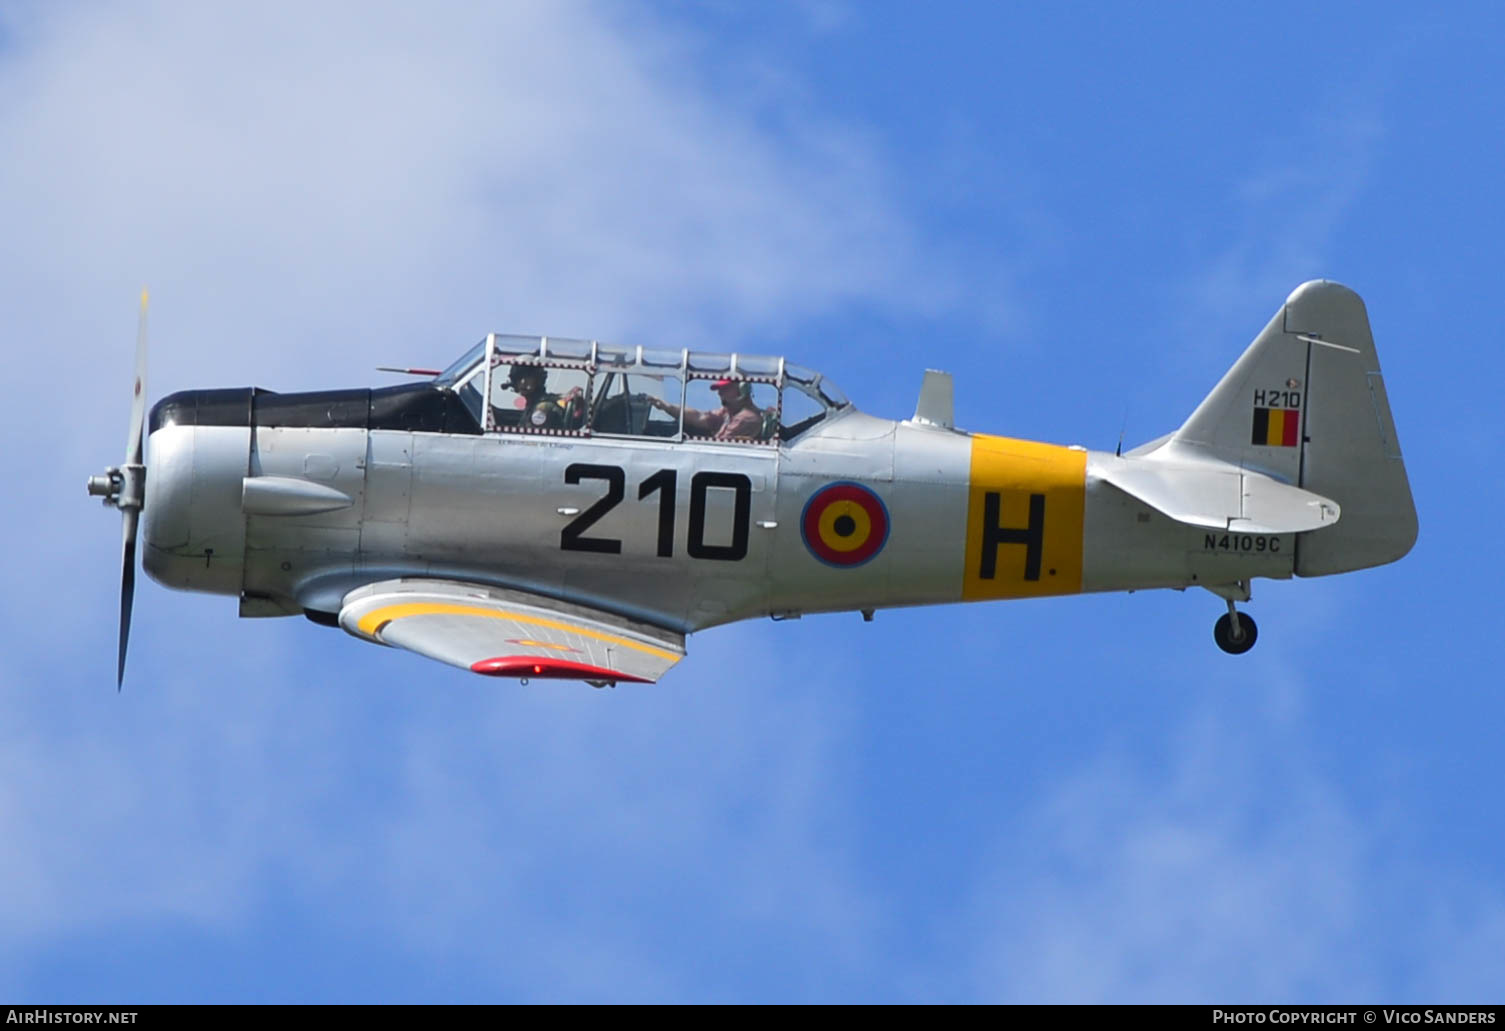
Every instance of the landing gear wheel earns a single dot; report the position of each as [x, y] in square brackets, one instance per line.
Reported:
[1235, 644]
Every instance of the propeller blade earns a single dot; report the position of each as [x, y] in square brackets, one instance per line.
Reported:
[133, 444]
[132, 493]
[128, 519]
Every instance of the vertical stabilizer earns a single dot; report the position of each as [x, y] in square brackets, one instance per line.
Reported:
[1306, 404]
[1253, 417]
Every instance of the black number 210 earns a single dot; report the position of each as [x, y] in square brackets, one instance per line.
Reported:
[664, 483]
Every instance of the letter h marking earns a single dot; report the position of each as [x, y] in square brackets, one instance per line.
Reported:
[1032, 537]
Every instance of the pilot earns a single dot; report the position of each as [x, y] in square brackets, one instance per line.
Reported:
[541, 409]
[737, 418]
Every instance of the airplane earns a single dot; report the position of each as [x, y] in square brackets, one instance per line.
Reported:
[566, 509]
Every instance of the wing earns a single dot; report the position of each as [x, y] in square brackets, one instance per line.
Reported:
[507, 633]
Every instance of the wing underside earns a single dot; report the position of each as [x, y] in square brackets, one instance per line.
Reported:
[508, 633]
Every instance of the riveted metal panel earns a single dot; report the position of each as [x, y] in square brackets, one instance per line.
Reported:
[1128, 545]
[389, 478]
[910, 481]
[279, 548]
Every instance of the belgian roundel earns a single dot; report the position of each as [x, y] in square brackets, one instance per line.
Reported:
[844, 524]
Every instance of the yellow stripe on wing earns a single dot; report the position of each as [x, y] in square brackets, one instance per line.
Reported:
[374, 620]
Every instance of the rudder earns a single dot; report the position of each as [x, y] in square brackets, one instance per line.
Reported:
[1351, 451]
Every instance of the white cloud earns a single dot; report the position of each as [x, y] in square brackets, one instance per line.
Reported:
[551, 841]
[1220, 865]
[311, 191]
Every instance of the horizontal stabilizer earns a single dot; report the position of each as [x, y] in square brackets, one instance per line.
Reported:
[1219, 496]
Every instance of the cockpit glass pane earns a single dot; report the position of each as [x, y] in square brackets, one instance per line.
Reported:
[739, 411]
[615, 356]
[757, 365]
[456, 372]
[470, 396]
[798, 412]
[518, 345]
[527, 397]
[663, 359]
[832, 393]
[569, 350]
[702, 362]
[636, 404]
[799, 374]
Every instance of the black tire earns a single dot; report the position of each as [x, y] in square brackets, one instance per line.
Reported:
[1222, 632]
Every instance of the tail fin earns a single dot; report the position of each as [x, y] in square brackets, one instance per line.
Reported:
[1306, 404]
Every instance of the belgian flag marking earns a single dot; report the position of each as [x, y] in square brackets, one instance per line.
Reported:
[844, 524]
[1276, 427]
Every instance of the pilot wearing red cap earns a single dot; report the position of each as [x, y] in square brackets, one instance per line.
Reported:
[737, 418]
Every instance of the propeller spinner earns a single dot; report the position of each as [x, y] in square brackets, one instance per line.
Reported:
[124, 487]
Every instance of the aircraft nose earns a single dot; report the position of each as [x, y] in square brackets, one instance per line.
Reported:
[197, 456]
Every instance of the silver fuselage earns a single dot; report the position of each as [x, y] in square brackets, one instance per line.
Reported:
[496, 509]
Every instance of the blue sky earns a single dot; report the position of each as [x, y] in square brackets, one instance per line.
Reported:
[1083, 212]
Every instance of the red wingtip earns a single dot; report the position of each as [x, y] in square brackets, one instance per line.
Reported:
[549, 669]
